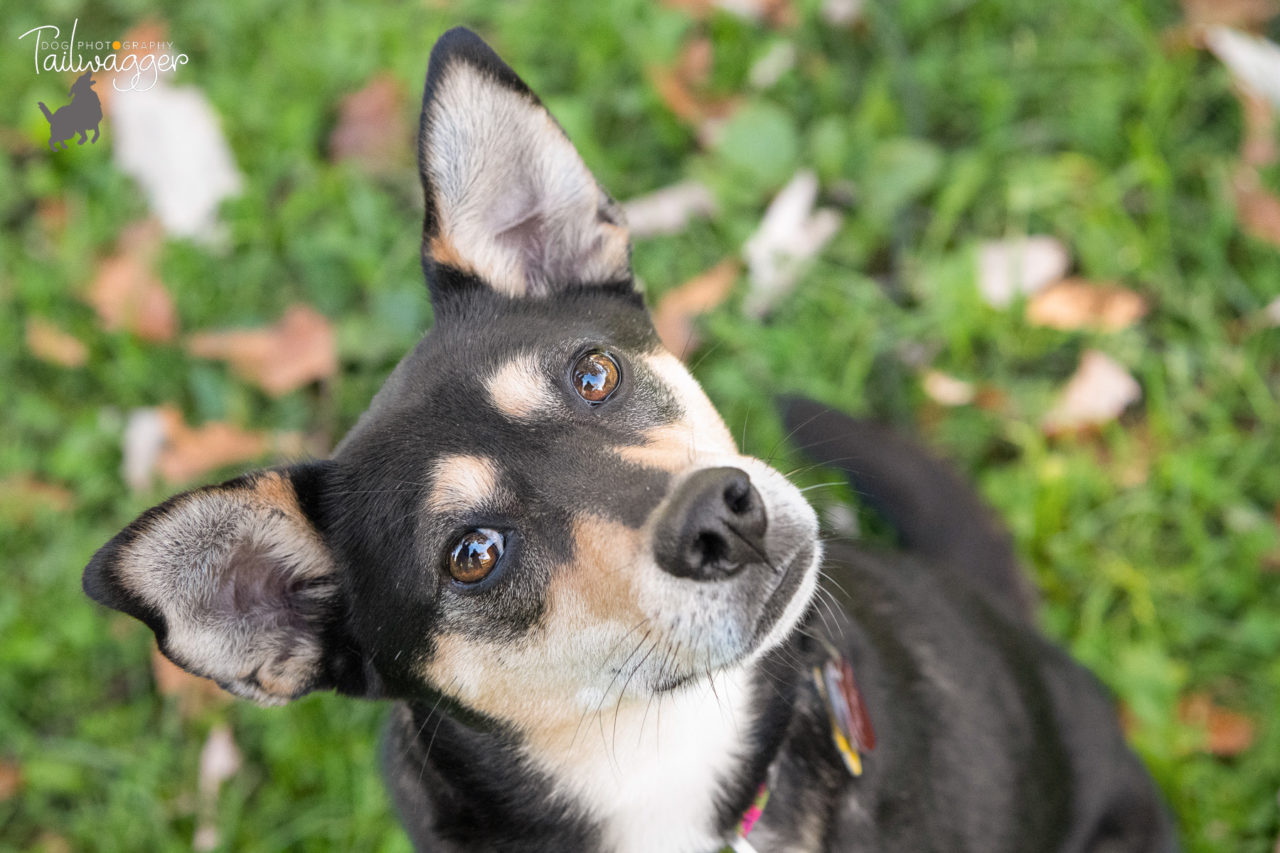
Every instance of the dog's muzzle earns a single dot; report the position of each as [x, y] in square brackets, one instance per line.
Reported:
[712, 527]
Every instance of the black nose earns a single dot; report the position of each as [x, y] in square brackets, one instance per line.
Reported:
[712, 527]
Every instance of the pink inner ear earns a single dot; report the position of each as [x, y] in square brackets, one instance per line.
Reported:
[260, 589]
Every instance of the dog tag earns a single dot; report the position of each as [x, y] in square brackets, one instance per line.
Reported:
[851, 729]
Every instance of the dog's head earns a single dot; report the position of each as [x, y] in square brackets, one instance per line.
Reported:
[82, 84]
[539, 510]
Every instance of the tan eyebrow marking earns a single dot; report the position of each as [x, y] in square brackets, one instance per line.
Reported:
[670, 447]
[700, 417]
[520, 389]
[462, 482]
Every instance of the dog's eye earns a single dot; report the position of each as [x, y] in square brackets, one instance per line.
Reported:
[475, 554]
[595, 376]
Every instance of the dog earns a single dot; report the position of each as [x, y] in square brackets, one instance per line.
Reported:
[602, 626]
[83, 114]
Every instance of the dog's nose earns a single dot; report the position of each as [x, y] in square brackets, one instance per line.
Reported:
[712, 527]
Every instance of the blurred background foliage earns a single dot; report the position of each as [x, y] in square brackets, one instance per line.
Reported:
[933, 127]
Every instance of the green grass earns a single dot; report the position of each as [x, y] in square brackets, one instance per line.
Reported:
[945, 122]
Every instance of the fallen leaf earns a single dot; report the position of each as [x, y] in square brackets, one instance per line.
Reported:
[1078, 304]
[1258, 144]
[790, 235]
[1227, 733]
[1271, 314]
[190, 452]
[127, 295]
[668, 210]
[22, 495]
[49, 343]
[774, 12]
[10, 780]
[947, 390]
[1254, 62]
[1096, 393]
[145, 433]
[297, 350]
[53, 214]
[50, 842]
[194, 695]
[169, 139]
[842, 13]
[676, 310]
[684, 86]
[1019, 266]
[371, 130]
[219, 761]
[769, 68]
[1257, 208]
[1230, 13]
[158, 441]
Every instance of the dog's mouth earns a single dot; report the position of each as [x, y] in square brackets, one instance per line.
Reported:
[717, 623]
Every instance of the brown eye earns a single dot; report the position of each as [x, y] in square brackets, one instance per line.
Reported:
[475, 554]
[595, 376]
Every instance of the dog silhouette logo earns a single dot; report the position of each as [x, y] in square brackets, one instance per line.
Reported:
[80, 116]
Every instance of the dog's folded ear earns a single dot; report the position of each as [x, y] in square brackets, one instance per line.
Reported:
[509, 201]
[238, 585]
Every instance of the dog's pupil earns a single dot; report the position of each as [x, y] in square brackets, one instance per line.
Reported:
[595, 376]
[475, 555]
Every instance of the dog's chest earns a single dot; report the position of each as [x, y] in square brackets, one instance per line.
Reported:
[649, 775]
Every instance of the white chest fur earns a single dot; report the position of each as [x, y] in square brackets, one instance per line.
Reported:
[650, 772]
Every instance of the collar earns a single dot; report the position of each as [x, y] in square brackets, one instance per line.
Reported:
[851, 734]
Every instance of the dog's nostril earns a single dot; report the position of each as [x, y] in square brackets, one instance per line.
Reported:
[709, 549]
[737, 496]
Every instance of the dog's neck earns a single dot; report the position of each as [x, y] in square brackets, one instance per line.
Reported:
[651, 772]
[674, 772]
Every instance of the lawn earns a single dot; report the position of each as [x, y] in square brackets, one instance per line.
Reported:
[933, 126]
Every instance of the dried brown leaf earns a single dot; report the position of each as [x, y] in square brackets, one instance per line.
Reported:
[371, 130]
[1227, 733]
[1242, 14]
[297, 350]
[1074, 303]
[1258, 145]
[674, 316]
[190, 452]
[49, 343]
[10, 780]
[683, 86]
[1257, 208]
[194, 694]
[947, 390]
[53, 214]
[22, 495]
[127, 295]
[1096, 393]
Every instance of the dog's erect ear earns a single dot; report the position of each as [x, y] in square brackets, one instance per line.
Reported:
[508, 199]
[238, 585]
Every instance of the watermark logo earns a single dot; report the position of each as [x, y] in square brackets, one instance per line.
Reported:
[80, 116]
[132, 66]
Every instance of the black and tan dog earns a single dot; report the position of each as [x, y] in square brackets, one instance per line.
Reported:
[600, 622]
